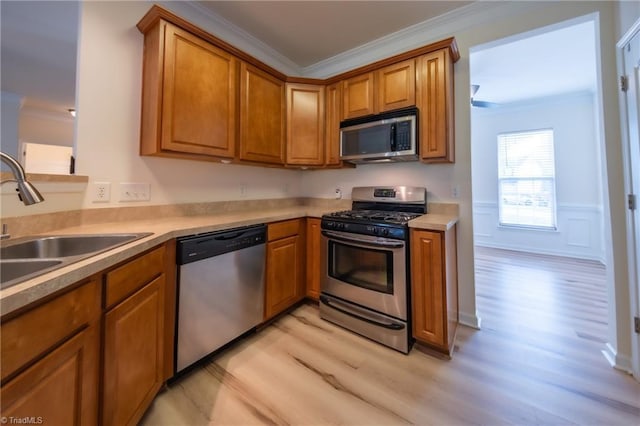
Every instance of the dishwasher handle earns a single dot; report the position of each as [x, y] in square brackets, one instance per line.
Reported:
[203, 246]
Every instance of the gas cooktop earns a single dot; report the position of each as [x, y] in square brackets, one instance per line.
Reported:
[374, 216]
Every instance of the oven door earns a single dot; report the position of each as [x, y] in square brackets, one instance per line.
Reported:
[366, 270]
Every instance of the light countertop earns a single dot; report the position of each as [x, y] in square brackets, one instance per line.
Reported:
[162, 229]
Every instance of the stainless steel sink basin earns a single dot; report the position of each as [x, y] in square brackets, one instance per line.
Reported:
[29, 257]
[12, 270]
[63, 246]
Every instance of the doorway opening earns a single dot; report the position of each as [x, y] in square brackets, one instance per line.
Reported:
[539, 206]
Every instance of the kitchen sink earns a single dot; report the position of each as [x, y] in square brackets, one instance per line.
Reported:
[64, 246]
[14, 271]
[29, 257]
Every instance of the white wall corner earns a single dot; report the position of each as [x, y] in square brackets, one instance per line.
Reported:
[470, 320]
[616, 360]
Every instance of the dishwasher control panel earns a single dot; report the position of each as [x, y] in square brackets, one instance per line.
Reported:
[202, 246]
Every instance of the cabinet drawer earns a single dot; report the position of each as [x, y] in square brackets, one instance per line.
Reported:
[283, 229]
[130, 277]
[26, 337]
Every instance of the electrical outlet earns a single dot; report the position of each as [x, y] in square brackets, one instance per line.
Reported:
[134, 191]
[455, 191]
[101, 192]
[338, 193]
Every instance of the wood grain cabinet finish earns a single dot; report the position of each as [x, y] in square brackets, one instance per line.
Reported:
[333, 116]
[133, 355]
[285, 266]
[134, 337]
[358, 96]
[434, 99]
[305, 124]
[313, 268]
[434, 287]
[385, 89]
[50, 359]
[396, 86]
[262, 116]
[189, 96]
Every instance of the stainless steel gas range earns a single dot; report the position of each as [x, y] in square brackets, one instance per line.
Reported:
[365, 262]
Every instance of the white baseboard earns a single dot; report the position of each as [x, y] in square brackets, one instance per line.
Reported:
[470, 320]
[617, 361]
[534, 250]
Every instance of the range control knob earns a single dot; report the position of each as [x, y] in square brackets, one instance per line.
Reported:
[385, 231]
[340, 225]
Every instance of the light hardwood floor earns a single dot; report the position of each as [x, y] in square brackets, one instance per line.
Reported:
[537, 360]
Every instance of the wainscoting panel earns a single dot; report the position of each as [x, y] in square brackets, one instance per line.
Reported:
[579, 233]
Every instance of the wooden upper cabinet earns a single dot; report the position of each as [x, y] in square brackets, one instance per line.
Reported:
[262, 116]
[388, 88]
[305, 124]
[189, 96]
[434, 99]
[396, 86]
[357, 95]
[333, 115]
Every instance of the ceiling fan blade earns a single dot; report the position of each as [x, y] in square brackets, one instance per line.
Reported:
[483, 104]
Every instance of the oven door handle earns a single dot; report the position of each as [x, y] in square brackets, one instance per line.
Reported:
[389, 244]
[345, 310]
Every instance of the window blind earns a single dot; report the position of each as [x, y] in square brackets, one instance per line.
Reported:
[526, 178]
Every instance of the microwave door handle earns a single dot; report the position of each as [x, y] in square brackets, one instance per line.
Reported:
[392, 136]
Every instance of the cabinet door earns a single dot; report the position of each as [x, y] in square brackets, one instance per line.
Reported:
[199, 96]
[262, 107]
[435, 101]
[284, 275]
[396, 85]
[61, 388]
[313, 254]
[427, 286]
[332, 119]
[357, 95]
[133, 354]
[305, 124]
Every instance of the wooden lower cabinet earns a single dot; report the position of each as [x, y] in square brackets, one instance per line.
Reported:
[134, 335]
[313, 272]
[434, 287]
[61, 388]
[133, 354]
[285, 266]
[52, 360]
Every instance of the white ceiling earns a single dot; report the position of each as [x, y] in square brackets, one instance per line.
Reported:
[306, 32]
[548, 64]
[39, 39]
[38, 45]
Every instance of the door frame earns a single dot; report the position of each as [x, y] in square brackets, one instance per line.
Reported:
[632, 223]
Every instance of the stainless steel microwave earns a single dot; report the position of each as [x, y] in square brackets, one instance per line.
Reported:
[386, 137]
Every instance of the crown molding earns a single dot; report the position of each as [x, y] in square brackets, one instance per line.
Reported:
[446, 25]
[240, 38]
[467, 17]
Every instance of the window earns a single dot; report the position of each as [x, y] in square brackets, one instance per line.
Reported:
[526, 179]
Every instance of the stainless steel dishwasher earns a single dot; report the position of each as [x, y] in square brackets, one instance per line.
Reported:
[220, 290]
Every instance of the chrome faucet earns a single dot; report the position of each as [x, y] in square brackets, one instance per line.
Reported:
[27, 193]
